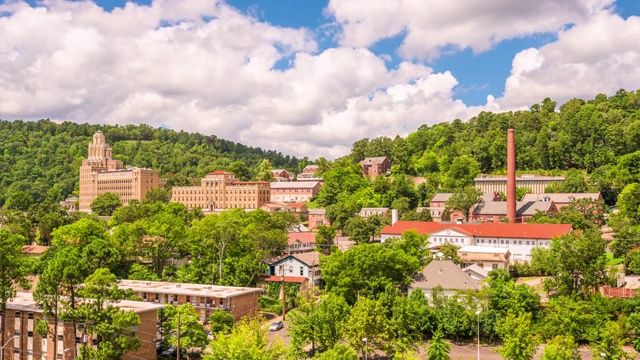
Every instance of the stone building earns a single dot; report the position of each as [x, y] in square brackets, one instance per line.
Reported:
[220, 190]
[100, 173]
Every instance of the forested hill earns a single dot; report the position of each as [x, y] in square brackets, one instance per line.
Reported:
[42, 159]
[600, 136]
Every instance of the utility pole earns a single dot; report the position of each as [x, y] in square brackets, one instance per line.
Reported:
[284, 306]
[178, 346]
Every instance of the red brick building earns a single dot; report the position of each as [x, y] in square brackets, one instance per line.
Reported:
[376, 166]
[316, 218]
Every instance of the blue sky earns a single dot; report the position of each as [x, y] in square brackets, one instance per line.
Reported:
[308, 78]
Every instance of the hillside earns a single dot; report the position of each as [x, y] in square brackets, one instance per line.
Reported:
[41, 160]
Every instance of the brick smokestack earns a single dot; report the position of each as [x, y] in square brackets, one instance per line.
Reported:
[511, 176]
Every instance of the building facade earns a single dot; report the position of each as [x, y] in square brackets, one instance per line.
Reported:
[536, 183]
[220, 190]
[519, 239]
[295, 191]
[239, 301]
[281, 175]
[100, 174]
[309, 174]
[24, 343]
[317, 217]
[375, 166]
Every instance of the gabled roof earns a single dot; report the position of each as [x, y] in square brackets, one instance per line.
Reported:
[561, 198]
[305, 238]
[476, 269]
[298, 206]
[310, 259]
[445, 274]
[374, 160]
[522, 207]
[317, 211]
[441, 197]
[497, 230]
[220, 172]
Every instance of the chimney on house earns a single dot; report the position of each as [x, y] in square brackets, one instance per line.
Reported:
[511, 176]
[394, 216]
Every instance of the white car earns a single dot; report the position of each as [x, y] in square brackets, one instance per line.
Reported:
[276, 325]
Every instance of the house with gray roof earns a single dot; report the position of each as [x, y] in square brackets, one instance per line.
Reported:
[443, 273]
[375, 166]
[495, 210]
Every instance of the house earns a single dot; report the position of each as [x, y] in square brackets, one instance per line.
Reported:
[367, 212]
[281, 175]
[23, 313]
[476, 272]
[300, 242]
[302, 268]
[491, 258]
[518, 238]
[317, 217]
[562, 199]
[494, 211]
[375, 166]
[437, 206]
[309, 174]
[294, 191]
[239, 301]
[443, 273]
[70, 204]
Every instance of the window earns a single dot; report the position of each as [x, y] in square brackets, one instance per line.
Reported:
[60, 338]
[30, 333]
[17, 314]
[494, 266]
[301, 271]
[31, 316]
[188, 298]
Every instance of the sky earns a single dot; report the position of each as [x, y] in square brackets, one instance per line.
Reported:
[307, 77]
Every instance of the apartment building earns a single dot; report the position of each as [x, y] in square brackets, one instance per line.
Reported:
[220, 190]
[239, 301]
[24, 343]
[100, 173]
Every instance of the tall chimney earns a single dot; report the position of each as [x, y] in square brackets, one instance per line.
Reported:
[511, 176]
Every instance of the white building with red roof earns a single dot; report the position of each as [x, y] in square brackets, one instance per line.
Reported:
[518, 238]
[301, 242]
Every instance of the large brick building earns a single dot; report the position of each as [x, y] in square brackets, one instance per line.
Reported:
[100, 173]
[295, 191]
[375, 166]
[239, 301]
[24, 343]
[220, 190]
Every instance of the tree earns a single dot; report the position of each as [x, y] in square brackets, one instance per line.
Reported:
[105, 204]
[192, 333]
[579, 263]
[14, 267]
[324, 236]
[303, 325]
[562, 347]
[519, 342]
[358, 230]
[612, 340]
[368, 321]
[461, 173]
[159, 195]
[99, 315]
[464, 200]
[632, 261]
[264, 171]
[404, 325]
[248, 340]
[629, 202]
[366, 269]
[240, 170]
[221, 322]
[449, 251]
[333, 312]
[438, 347]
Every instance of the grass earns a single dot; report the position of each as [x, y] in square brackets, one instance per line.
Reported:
[613, 261]
[312, 205]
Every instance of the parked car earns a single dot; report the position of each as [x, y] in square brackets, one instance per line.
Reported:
[276, 325]
[169, 352]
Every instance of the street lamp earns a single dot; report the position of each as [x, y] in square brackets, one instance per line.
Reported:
[478, 315]
[7, 343]
[365, 347]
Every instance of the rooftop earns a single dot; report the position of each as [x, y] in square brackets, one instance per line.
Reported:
[445, 274]
[561, 197]
[521, 177]
[483, 249]
[303, 237]
[216, 291]
[496, 230]
[24, 302]
[317, 211]
[294, 185]
[34, 249]
[220, 172]
[522, 207]
[374, 160]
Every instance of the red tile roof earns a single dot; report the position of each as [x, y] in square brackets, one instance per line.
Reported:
[220, 172]
[287, 279]
[524, 231]
[296, 205]
[303, 237]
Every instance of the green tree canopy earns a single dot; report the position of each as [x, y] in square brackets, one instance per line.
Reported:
[105, 204]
